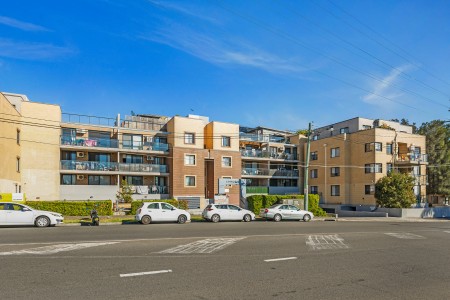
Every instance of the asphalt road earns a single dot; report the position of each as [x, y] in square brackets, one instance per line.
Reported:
[258, 260]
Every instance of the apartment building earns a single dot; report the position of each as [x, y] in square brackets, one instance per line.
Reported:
[270, 160]
[347, 159]
[49, 155]
[29, 147]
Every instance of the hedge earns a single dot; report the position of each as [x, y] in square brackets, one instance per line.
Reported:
[182, 204]
[256, 202]
[74, 208]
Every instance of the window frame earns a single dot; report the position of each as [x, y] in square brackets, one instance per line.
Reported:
[189, 138]
[226, 141]
[335, 188]
[226, 166]
[373, 168]
[335, 174]
[335, 152]
[314, 155]
[191, 155]
[190, 176]
[314, 172]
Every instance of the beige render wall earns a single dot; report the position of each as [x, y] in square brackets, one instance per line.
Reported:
[178, 126]
[9, 149]
[214, 132]
[40, 154]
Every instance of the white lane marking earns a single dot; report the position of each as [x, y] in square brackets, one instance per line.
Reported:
[404, 235]
[145, 273]
[55, 248]
[279, 259]
[204, 246]
[447, 231]
[323, 242]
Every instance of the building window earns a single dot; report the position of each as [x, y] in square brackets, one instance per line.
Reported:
[335, 171]
[314, 189]
[189, 159]
[189, 138]
[365, 127]
[314, 155]
[132, 159]
[226, 141]
[189, 181]
[132, 141]
[335, 152]
[226, 161]
[335, 190]
[369, 189]
[373, 168]
[68, 179]
[134, 180]
[18, 137]
[314, 173]
[389, 149]
[369, 147]
[315, 137]
[344, 130]
[18, 164]
[389, 168]
[100, 180]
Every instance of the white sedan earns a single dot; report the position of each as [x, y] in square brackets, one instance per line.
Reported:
[279, 212]
[161, 212]
[19, 214]
[227, 212]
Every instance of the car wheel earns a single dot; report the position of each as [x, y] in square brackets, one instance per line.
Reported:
[247, 218]
[277, 218]
[146, 220]
[182, 219]
[215, 218]
[42, 221]
[306, 218]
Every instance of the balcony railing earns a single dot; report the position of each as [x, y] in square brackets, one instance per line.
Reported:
[420, 179]
[145, 146]
[257, 189]
[89, 142]
[263, 138]
[89, 165]
[269, 172]
[84, 119]
[268, 154]
[412, 157]
[152, 189]
[143, 168]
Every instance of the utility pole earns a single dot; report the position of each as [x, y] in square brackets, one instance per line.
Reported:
[308, 149]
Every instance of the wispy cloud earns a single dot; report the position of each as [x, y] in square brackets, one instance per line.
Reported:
[21, 25]
[384, 88]
[32, 51]
[223, 52]
[185, 10]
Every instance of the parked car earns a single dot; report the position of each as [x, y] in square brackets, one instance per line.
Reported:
[226, 212]
[279, 212]
[20, 214]
[161, 212]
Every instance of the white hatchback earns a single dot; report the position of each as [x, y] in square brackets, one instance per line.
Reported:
[19, 214]
[161, 212]
[227, 212]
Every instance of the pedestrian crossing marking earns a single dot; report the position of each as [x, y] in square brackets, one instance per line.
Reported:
[52, 249]
[203, 246]
[405, 235]
[325, 242]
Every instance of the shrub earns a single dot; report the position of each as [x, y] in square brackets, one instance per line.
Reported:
[182, 204]
[256, 202]
[74, 208]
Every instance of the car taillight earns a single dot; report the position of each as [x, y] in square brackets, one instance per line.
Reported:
[138, 211]
[266, 210]
[209, 209]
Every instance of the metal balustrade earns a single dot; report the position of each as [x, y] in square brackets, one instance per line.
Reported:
[89, 142]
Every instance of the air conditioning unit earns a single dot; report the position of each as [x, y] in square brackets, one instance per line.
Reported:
[80, 177]
[81, 131]
[80, 154]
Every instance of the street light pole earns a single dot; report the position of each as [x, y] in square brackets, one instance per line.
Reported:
[308, 150]
[325, 173]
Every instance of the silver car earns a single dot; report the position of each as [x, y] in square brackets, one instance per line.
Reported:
[280, 212]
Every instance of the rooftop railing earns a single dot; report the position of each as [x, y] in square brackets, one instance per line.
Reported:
[263, 138]
[85, 119]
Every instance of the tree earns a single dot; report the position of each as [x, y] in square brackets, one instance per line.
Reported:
[302, 131]
[124, 194]
[395, 191]
[438, 148]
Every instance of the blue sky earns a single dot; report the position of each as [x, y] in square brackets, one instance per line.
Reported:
[271, 63]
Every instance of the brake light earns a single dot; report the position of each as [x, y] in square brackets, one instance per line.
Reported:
[209, 209]
[138, 211]
[266, 211]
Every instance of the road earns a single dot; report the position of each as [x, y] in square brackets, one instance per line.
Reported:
[257, 260]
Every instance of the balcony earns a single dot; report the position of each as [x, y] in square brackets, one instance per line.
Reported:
[89, 142]
[412, 158]
[420, 179]
[146, 168]
[88, 165]
[148, 146]
[265, 138]
[269, 172]
[267, 154]
[149, 190]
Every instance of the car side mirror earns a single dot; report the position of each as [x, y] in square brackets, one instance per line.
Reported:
[173, 208]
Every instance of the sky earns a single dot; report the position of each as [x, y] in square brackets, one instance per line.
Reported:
[272, 63]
